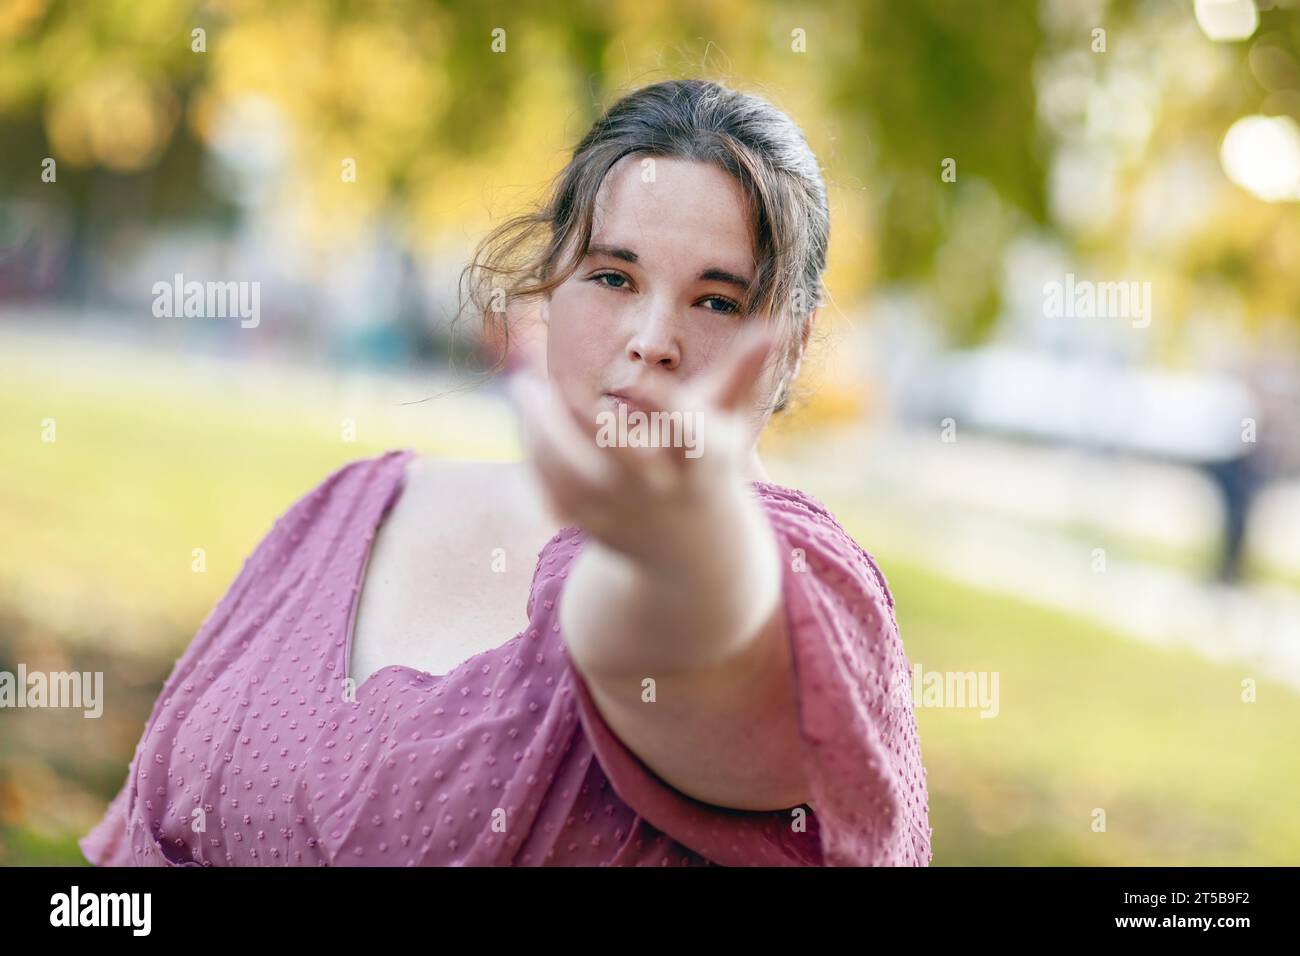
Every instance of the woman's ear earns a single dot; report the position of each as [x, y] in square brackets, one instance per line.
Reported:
[793, 373]
[546, 309]
[788, 381]
[807, 330]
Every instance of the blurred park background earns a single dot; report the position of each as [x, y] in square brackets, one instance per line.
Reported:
[1103, 509]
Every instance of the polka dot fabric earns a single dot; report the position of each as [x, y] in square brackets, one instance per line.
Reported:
[258, 753]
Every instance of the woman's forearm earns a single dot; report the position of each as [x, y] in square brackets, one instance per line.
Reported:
[703, 600]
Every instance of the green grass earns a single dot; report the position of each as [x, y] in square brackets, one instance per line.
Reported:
[1186, 772]
[103, 521]
[100, 524]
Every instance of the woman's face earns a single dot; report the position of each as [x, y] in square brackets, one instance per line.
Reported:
[657, 295]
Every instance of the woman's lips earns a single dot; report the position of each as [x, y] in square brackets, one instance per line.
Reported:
[616, 399]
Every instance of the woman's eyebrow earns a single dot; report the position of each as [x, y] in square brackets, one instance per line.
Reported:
[722, 275]
[712, 273]
[617, 252]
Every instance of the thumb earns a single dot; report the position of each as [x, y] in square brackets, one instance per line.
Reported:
[732, 385]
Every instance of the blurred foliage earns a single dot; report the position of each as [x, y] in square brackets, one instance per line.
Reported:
[447, 131]
[440, 125]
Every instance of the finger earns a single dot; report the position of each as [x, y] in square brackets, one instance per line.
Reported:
[670, 433]
[555, 437]
[566, 489]
[595, 426]
[731, 387]
[640, 457]
[599, 429]
[562, 488]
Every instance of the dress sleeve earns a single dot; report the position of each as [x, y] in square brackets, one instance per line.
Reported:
[274, 563]
[109, 842]
[868, 802]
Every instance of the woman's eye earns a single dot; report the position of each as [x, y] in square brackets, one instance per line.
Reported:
[620, 281]
[611, 275]
[727, 304]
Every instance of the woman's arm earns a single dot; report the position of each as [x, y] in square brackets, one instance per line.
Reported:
[673, 612]
[701, 602]
[689, 664]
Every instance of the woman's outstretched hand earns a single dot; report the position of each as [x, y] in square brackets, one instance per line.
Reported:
[680, 587]
[651, 486]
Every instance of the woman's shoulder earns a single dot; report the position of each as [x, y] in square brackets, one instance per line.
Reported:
[417, 488]
[793, 508]
[432, 472]
[788, 495]
[404, 470]
[470, 487]
[806, 523]
[348, 490]
[463, 502]
[350, 480]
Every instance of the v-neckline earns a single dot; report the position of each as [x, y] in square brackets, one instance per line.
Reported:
[392, 495]
[400, 460]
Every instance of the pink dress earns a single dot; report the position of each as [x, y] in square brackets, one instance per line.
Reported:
[257, 752]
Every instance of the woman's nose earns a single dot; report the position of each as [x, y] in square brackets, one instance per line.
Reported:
[655, 343]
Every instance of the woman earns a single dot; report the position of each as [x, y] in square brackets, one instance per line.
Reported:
[706, 667]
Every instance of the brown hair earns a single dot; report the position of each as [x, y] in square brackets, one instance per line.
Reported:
[699, 120]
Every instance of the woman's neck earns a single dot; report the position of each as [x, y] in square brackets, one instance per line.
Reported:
[755, 470]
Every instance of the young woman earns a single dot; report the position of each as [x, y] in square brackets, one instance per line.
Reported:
[705, 668]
